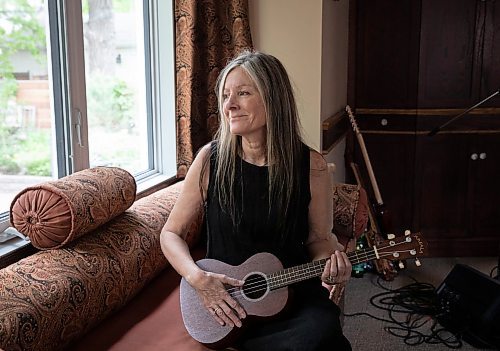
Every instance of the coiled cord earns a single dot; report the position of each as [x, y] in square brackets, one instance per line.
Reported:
[410, 309]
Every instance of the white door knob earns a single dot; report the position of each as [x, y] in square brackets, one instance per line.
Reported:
[474, 156]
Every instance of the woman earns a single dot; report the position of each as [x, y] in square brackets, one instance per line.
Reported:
[261, 189]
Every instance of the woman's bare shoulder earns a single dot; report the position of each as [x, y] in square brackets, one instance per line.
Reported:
[204, 151]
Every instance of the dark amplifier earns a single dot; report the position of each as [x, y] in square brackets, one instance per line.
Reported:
[470, 306]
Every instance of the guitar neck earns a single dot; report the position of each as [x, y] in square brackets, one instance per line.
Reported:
[314, 269]
[369, 168]
[366, 158]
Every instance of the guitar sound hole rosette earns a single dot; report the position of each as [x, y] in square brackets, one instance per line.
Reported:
[255, 287]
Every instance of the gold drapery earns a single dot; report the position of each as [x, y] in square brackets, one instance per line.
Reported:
[208, 34]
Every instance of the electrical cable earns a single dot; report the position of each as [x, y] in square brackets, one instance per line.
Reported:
[411, 309]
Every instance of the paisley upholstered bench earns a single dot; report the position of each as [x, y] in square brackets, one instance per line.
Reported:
[99, 280]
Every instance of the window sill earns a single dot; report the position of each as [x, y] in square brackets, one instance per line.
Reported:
[13, 250]
[153, 184]
[11, 245]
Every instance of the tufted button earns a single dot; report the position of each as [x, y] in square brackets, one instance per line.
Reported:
[32, 218]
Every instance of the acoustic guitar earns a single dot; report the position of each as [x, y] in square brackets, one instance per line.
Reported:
[265, 291]
[381, 212]
[380, 218]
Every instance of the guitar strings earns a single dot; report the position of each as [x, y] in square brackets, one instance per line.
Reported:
[257, 286]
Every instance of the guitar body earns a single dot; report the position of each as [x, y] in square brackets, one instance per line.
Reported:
[265, 291]
[201, 325]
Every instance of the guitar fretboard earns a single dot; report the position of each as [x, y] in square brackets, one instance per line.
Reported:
[313, 269]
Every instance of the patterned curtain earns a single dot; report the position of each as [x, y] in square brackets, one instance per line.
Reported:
[208, 34]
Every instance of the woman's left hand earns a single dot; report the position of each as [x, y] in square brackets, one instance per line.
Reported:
[337, 269]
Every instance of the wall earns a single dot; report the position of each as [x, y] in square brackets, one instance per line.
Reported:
[310, 38]
[335, 33]
[291, 31]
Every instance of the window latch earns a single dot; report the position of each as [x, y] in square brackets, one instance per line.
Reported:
[78, 126]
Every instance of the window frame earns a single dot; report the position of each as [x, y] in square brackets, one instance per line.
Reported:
[66, 67]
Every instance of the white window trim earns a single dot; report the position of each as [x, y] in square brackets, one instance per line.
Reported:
[163, 37]
[77, 102]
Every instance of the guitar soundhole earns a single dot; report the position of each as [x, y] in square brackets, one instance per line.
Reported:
[255, 286]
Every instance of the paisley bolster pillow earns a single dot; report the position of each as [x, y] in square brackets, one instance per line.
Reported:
[55, 213]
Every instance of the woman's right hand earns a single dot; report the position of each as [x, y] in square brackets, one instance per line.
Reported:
[217, 300]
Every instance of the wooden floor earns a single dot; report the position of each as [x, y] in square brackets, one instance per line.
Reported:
[368, 334]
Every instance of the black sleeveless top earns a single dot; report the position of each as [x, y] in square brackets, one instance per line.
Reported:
[256, 229]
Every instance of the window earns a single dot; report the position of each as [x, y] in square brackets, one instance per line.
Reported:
[83, 84]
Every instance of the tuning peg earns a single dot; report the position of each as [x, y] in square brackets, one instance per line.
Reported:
[407, 232]
[391, 236]
[401, 264]
[417, 262]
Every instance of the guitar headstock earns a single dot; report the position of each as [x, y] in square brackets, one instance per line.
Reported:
[352, 119]
[411, 245]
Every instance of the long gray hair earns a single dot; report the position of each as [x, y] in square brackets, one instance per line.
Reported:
[283, 143]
